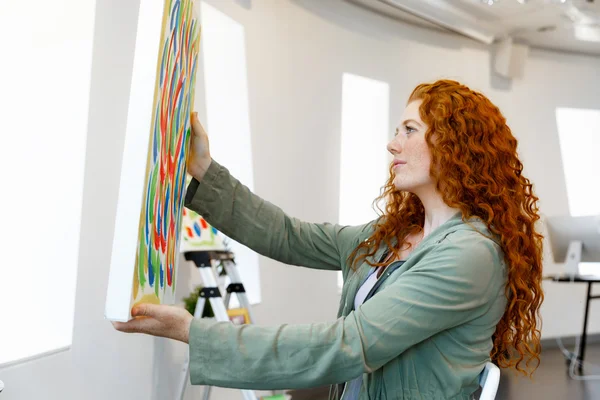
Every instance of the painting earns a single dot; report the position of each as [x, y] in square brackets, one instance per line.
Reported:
[160, 218]
[199, 235]
[150, 208]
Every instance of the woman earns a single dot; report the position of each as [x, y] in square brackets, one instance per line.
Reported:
[446, 279]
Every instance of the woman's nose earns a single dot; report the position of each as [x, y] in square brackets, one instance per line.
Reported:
[394, 146]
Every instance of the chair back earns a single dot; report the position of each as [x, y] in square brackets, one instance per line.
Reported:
[489, 380]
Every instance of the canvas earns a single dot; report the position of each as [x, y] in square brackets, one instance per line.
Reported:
[152, 191]
[199, 235]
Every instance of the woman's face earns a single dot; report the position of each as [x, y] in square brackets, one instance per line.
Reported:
[412, 158]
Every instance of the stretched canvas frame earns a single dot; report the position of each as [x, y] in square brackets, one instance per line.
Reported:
[153, 173]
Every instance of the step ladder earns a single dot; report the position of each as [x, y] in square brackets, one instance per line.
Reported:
[208, 263]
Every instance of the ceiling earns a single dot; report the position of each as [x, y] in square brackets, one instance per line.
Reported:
[562, 25]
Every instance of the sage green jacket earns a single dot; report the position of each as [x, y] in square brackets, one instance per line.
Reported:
[425, 334]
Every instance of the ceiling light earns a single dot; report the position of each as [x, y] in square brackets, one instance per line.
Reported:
[588, 33]
[492, 2]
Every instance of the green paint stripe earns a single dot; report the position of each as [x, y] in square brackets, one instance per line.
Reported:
[142, 259]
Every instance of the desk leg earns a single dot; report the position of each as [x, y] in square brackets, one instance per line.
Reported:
[585, 320]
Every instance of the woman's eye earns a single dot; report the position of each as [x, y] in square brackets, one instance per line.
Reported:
[406, 129]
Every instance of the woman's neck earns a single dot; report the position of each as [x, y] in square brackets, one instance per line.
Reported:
[437, 212]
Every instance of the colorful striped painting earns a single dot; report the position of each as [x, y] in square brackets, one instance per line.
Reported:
[199, 235]
[160, 219]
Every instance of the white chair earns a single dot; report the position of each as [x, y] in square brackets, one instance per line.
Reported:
[489, 379]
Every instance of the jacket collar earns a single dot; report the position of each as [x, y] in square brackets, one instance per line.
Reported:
[454, 224]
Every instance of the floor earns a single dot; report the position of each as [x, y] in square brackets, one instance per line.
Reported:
[551, 380]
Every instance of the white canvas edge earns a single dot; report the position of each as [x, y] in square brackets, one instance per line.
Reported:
[134, 161]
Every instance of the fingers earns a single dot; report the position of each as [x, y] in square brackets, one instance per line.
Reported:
[121, 326]
[158, 320]
[141, 310]
[139, 325]
[146, 319]
[132, 326]
[149, 310]
[197, 127]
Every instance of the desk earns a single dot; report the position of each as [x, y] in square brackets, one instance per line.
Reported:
[589, 279]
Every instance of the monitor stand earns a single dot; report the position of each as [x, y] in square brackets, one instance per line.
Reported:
[573, 258]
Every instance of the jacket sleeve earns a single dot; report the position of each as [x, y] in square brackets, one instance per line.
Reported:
[455, 283]
[234, 210]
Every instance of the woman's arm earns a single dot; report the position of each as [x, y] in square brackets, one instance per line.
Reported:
[234, 210]
[452, 285]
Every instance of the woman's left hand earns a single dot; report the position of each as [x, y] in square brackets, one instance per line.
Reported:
[158, 320]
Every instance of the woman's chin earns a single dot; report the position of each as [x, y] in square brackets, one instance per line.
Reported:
[401, 186]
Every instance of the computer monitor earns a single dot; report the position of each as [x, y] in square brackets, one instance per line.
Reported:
[574, 240]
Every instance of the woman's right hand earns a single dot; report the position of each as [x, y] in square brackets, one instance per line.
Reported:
[199, 158]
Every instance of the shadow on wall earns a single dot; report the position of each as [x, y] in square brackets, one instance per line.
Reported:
[498, 82]
[247, 4]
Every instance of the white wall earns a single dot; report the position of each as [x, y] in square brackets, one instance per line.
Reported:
[101, 362]
[107, 364]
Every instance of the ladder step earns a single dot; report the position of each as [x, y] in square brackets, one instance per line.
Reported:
[208, 292]
[236, 288]
[209, 297]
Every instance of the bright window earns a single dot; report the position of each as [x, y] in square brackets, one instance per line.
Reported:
[364, 160]
[579, 136]
[228, 117]
[45, 80]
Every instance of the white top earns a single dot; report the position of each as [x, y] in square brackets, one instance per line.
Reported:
[365, 288]
[352, 389]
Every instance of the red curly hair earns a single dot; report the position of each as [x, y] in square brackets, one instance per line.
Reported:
[477, 170]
